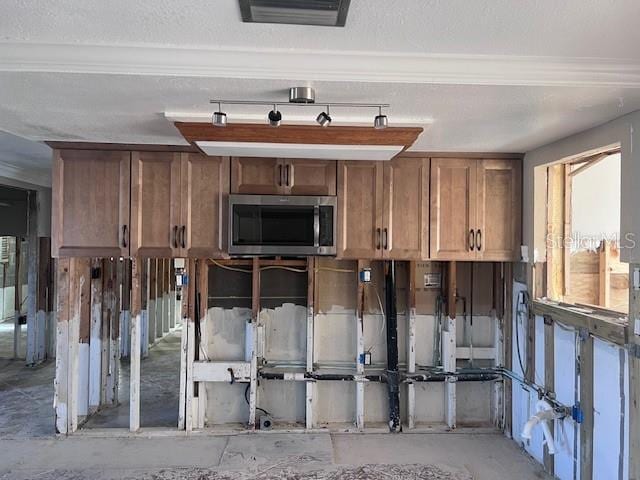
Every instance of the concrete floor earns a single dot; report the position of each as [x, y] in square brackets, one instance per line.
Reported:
[159, 389]
[29, 448]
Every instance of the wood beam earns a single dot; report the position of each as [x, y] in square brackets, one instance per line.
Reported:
[307, 134]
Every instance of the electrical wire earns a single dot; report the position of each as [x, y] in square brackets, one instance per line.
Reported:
[246, 390]
[525, 302]
[283, 267]
[331, 269]
[227, 267]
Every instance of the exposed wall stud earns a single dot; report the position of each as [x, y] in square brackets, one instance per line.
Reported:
[136, 337]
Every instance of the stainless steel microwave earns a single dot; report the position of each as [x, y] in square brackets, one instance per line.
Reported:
[282, 225]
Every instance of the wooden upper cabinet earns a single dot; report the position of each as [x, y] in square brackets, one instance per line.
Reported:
[498, 227]
[405, 234]
[205, 188]
[155, 204]
[309, 177]
[278, 176]
[261, 176]
[453, 208]
[360, 201]
[90, 203]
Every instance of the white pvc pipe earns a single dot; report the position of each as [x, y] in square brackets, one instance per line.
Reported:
[544, 414]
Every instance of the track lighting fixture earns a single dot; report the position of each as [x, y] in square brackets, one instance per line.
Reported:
[219, 118]
[302, 97]
[324, 119]
[275, 117]
[380, 121]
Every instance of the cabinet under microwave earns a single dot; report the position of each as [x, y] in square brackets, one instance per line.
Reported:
[282, 225]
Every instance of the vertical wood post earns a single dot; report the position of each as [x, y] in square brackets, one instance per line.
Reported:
[411, 341]
[634, 377]
[310, 386]
[508, 346]
[190, 345]
[35, 330]
[17, 328]
[449, 347]
[84, 333]
[143, 272]
[549, 381]
[203, 295]
[604, 283]
[125, 309]
[360, 306]
[255, 318]
[135, 352]
[61, 383]
[586, 404]
[95, 342]
[153, 304]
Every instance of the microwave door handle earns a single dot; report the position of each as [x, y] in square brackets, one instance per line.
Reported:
[316, 226]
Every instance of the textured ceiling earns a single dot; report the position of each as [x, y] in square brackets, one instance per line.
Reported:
[569, 28]
[79, 101]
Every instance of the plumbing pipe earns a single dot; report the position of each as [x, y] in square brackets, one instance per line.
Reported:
[545, 412]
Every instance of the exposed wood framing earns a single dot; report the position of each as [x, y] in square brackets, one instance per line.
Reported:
[555, 231]
[634, 380]
[310, 386]
[604, 277]
[360, 307]
[136, 337]
[411, 341]
[17, 328]
[586, 404]
[449, 348]
[143, 271]
[507, 332]
[202, 351]
[549, 380]
[607, 327]
[152, 303]
[255, 319]
[95, 341]
[189, 331]
[61, 383]
[125, 309]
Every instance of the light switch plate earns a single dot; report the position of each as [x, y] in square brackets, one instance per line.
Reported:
[636, 327]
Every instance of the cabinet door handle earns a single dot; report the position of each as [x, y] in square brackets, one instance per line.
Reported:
[286, 175]
[175, 236]
[385, 234]
[478, 239]
[182, 236]
[279, 175]
[471, 240]
[124, 236]
[377, 239]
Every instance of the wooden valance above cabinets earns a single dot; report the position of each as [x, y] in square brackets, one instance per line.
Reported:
[163, 203]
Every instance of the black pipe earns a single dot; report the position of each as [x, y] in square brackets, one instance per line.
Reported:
[393, 374]
[382, 378]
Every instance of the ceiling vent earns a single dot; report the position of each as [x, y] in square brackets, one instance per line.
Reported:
[327, 13]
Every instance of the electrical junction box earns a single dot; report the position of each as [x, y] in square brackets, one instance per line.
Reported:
[432, 280]
[365, 275]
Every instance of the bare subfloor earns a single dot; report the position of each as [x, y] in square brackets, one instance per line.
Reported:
[29, 448]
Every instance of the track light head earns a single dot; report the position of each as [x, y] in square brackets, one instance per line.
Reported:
[275, 117]
[380, 122]
[324, 120]
[219, 118]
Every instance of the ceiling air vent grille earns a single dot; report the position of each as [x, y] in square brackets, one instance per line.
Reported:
[328, 13]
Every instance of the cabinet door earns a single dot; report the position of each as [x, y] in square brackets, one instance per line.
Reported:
[309, 177]
[359, 209]
[262, 176]
[453, 208]
[90, 203]
[155, 204]
[405, 234]
[499, 213]
[205, 189]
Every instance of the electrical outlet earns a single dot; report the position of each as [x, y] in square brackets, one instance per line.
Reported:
[365, 275]
[367, 358]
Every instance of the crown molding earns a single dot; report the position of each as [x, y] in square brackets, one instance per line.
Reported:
[318, 65]
[39, 177]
